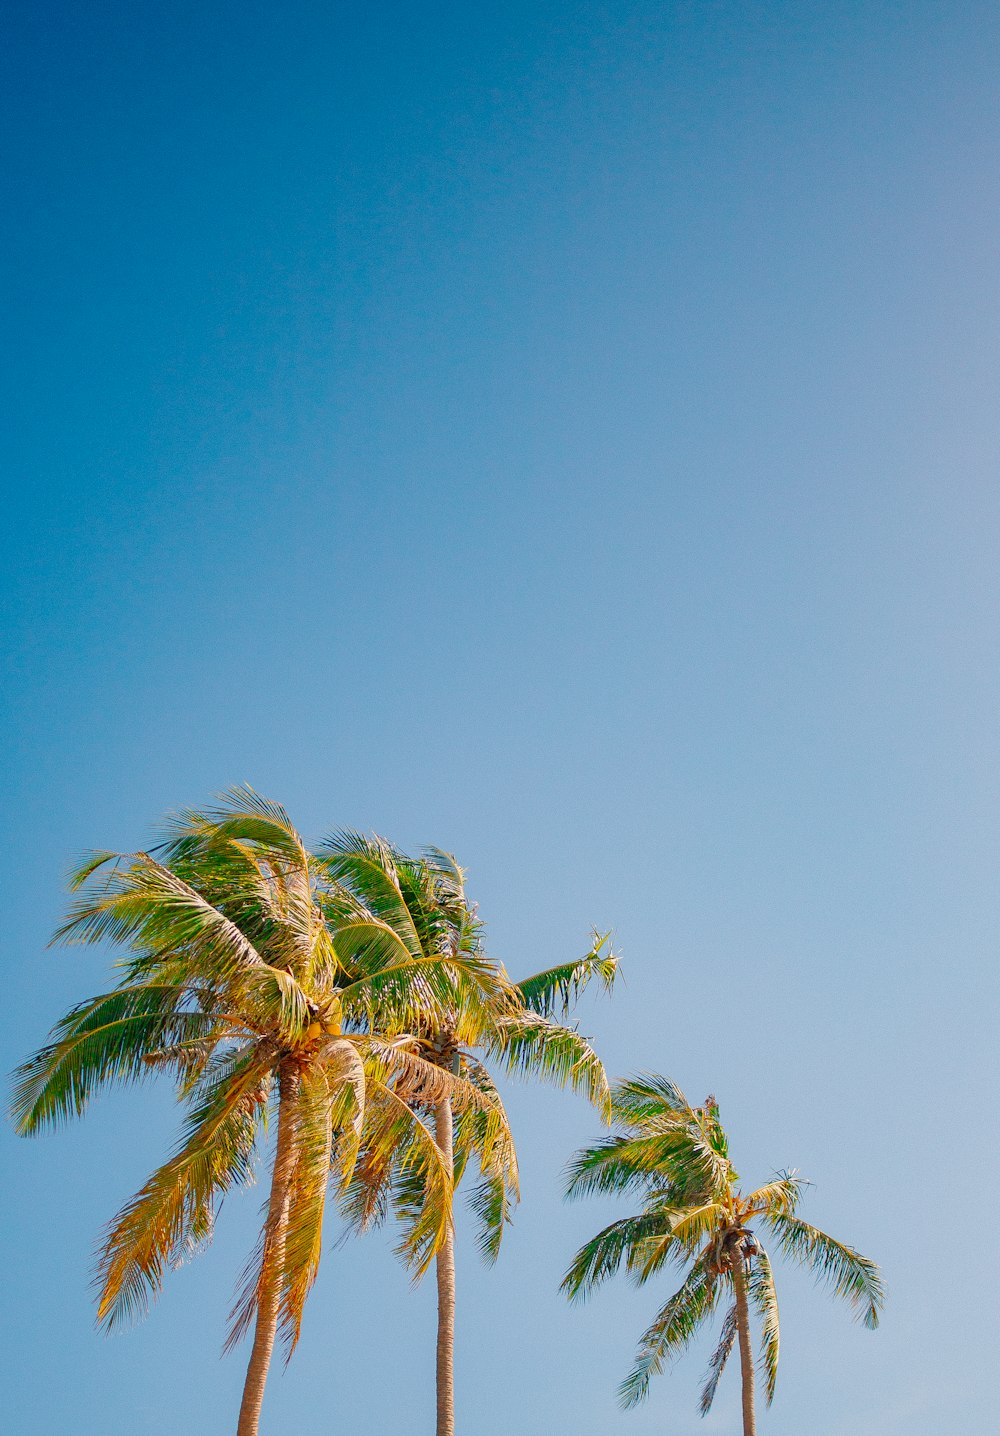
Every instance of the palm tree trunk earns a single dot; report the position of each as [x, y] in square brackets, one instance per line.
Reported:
[446, 1287]
[269, 1291]
[746, 1351]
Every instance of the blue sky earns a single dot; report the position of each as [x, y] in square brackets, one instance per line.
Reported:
[566, 434]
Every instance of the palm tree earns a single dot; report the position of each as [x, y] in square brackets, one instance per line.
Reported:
[676, 1159]
[262, 989]
[425, 901]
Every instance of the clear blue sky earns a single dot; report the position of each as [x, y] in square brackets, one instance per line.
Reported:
[565, 433]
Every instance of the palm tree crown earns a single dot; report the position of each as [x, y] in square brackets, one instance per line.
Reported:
[515, 1026]
[257, 984]
[675, 1158]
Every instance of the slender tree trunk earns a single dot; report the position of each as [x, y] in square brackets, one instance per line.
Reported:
[746, 1350]
[446, 1288]
[269, 1293]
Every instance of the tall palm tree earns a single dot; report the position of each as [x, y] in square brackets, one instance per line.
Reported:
[676, 1159]
[261, 988]
[425, 900]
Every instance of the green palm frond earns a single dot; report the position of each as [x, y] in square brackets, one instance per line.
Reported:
[646, 1097]
[246, 816]
[419, 1170]
[717, 1361]
[241, 816]
[148, 904]
[660, 1138]
[672, 1157]
[604, 1254]
[109, 1039]
[82, 871]
[607, 1168]
[492, 1202]
[674, 1327]
[446, 870]
[367, 944]
[555, 991]
[851, 1275]
[410, 992]
[486, 1137]
[368, 867]
[699, 1165]
[764, 1297]
[242, 798]
[536, 1046]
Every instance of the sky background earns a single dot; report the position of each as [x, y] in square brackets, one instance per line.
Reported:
[564, 433]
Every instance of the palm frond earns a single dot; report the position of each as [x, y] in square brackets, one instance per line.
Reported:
[604, 1254]
[109, 1039]
[409, 992]
[410, 1151]
[660, 1138]
[491, 1205]
[369, 868]
[149, 905]
[851, 1275]
[344, 1070]
[174, 1211]
[321, 1101]
[486, 1135]
[781, 1194]
[445, 868]
[242, 798]
[717, 1361]
[419, 1082]
[674, 1327]
[648, 1096]
[536, 1046]
[607, 1168]
[556, 990]
[668, 1156]
[83, 870]
[764, 1296]
[682, 1232]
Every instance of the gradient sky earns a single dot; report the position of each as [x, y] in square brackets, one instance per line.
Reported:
[564, 433]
